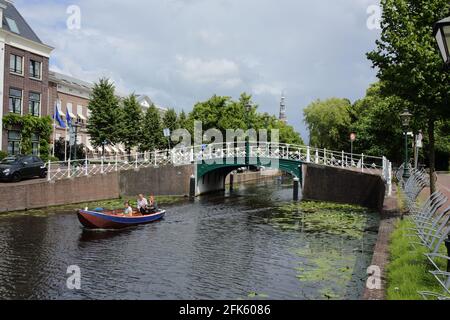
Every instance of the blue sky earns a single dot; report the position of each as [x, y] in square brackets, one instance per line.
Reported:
[183, 51]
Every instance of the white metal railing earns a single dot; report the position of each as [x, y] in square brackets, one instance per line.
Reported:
[220, 151]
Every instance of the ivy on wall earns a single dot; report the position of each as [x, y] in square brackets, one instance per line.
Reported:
[29, 125]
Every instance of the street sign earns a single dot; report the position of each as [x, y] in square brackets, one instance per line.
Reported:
[166, 132]
[419, 142]
[352, 137]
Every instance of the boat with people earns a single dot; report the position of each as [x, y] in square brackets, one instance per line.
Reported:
[115, 219]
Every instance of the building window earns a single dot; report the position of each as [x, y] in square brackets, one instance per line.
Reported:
[15, 100]
[35, 144]
[15, 64]
[35, 69]
[34, 104]
[13, 142]
[12, 25]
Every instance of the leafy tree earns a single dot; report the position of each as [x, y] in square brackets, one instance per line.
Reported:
[329, 123]
[104, 125]
[409, 63]
[169, 121]
[131, 123]
[209, 112]
[223, 113]
[60, 153]
[377, 131]
[288, 134]
[152, 131]
[182, 120]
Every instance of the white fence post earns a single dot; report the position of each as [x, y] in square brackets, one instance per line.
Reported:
[317, 156]
[116, 163]
[86, 165]
[308, 154]
[48, 170]
[342, 164]
[325, 157]
[154, 155]
[390, 178]
[68, 169]
[362, 162]
[101, 165]
[287, 152]
[136, 162]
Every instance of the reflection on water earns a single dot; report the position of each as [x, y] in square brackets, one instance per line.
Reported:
[253, 243]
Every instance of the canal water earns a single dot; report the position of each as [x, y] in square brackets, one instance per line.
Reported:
[251, 243]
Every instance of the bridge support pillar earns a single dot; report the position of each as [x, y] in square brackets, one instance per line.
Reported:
[231, 181]
[192, 187]
[296, 188]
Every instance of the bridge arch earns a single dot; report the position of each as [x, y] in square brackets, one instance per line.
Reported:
[211, 177]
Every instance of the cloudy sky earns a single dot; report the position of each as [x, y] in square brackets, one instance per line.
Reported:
[183, 51]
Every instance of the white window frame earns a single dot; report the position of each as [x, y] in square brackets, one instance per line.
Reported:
[40, 102]
[13, 72]
[40, 71]
[21, 100]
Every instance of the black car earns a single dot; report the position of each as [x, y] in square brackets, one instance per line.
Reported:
[16, 168]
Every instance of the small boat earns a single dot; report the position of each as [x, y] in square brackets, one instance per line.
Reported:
[114, 219]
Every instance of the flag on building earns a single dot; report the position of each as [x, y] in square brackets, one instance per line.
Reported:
[68, 119]
[57, 117]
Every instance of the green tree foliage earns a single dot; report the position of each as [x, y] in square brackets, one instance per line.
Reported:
[378, 132]
[328, 122]
[62, 154]
[409, 64]
[152, 131]
[170, 120]
[131, 123]
[30, 125]
[105, 120]
[223, 113]
[182, 120]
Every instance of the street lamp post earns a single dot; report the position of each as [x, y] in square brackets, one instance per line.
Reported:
[441, 32]
[406, 119]
[248, 109]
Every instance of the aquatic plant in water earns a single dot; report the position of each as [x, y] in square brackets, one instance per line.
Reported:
[327, 261]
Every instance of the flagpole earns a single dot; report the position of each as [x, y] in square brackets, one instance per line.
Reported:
[54, 132]
[65, 145]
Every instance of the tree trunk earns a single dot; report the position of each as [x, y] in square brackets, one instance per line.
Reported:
[431, 154]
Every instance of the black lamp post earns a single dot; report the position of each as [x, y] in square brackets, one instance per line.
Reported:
[441, 32]
[248, 109]
[406, 119]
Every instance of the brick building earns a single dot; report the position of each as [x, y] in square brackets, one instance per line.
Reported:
[72, 98]
[24, 65]
[30, 88]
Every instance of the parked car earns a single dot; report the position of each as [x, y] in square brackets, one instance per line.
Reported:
[16, 168]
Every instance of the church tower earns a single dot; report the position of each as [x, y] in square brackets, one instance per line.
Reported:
[283, 116]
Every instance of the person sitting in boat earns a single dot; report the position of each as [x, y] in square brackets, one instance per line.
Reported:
[152, 204]
[128, 209]
[150, 208]
[142, 204]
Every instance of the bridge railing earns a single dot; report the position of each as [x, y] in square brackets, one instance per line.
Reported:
[218, 152]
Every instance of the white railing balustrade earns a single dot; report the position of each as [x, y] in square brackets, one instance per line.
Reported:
[220, 151]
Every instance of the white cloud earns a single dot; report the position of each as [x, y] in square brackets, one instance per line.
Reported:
[214, 71]
[183, 51]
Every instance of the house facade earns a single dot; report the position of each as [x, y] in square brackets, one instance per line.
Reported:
[24, 67]
[71, 97]
[28, 87]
